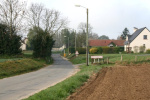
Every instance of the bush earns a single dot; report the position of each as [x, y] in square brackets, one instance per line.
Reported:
[100, 50]
[116, 50]
[106, 50]
[81, 50]
[9, 42]
[93, 50]
[148, 51]
[124, 52]
[72, 50]
[121, 49]
[142, 49]
[42, 44]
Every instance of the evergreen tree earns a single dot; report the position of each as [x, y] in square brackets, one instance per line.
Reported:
[9, 44]
[42, 44]
[125, 33]
[104, 37]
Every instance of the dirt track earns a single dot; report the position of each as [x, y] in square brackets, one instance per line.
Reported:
[117, 83]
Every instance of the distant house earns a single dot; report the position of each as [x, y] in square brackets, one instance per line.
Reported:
[24, 44]
[140, 37]
[104, 43]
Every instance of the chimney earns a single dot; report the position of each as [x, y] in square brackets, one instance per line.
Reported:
[135, 29]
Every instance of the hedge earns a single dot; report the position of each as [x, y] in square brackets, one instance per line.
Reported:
[106, 50]
[148, 51]
[93, 50]
[81, 50]
[72, 50]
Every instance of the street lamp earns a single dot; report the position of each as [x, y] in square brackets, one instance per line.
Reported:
[68, 44]
[75, 41]
[86, 34]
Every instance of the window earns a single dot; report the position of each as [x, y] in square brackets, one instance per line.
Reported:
[145, 37]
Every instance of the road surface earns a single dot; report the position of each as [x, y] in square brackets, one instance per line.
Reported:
[22, 86]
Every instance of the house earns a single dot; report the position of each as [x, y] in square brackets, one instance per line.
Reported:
[109, 43]
[24, 44]
[140, 37]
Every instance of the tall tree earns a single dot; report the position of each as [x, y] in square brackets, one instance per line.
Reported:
[9, 44]
[12, 14]
[93, 36]
[104, 37]
[49, 20]
[124, 33]
[42, 44]
[66, 35]
[81, 38]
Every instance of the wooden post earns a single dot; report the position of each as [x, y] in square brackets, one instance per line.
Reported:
[135, 58]
[121, 58]
[108, 60]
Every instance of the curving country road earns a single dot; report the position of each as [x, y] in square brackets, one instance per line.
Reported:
[22, 86]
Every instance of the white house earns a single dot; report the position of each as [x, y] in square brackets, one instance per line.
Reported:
[140, 37]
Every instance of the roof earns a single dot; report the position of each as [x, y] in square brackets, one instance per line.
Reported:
[106, 42]
[135, 34]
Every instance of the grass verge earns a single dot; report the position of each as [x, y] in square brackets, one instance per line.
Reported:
[63, 89]
[113, 58]
[16, 67]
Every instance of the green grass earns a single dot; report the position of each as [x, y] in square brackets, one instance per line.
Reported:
[28, 52]
[112, 58]
[16, 67]
[4, 60]
[56, 52]
[19, 64]
[62, 90]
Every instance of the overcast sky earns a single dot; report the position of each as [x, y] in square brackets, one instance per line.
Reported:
[107, 17]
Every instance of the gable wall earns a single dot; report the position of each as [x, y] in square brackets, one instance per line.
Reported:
[139, 41]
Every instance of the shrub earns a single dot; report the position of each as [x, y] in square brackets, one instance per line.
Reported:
[148, 51]
[10, 42]
[124, 52]
[42, 44]
[106, 50]
[100, 50]
[142, 49]
[81, 50]
[72, 50]
[121, 49]
[93, 50]
[111, 50]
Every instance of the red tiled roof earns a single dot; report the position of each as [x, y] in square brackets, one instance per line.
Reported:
[106, 42]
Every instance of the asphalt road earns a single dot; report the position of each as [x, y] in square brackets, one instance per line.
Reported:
[22, 86]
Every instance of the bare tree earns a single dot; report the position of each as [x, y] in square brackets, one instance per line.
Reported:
[35, 14]
[93, 36]
[49, 20]
[82, 27]
[82, 30]
[12, 14]
[53, 21]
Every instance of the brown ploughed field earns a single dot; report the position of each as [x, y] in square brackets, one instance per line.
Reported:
[117, 83]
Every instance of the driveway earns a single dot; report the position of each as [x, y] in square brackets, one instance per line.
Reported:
[22, 86]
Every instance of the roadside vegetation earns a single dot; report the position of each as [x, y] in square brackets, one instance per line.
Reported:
[113, 58]
[16, 67]
[64, 89]
[19, 64]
